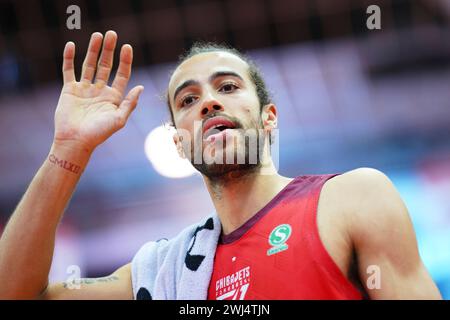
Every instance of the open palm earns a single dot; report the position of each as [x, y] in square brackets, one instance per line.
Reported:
[90, 111]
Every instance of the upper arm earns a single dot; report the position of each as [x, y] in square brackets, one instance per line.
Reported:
[383, 237]
[116, 286]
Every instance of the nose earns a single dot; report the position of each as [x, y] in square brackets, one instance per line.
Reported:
[208, 109]
[210, 105]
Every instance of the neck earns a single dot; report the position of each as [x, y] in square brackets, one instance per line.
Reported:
[238, 196]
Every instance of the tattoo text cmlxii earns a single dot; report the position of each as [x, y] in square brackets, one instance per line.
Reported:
[69, 166]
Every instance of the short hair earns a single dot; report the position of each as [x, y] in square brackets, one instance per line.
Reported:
[253, 70]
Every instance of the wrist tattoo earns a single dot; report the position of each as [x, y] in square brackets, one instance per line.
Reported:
[69, 166]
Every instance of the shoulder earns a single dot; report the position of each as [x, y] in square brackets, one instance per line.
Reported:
[363, 188]
[367, 199]
[362, 180]
[381, 233]
[370, 204]
[343, 202]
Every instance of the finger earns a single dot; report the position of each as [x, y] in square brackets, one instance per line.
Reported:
[67, 67]
[106, 59]
[130, 102]
[124, 71]
[90, 62]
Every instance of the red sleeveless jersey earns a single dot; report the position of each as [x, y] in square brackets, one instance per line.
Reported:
[278, 254]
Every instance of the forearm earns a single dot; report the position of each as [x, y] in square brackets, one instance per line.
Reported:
[27, 243]
[89, 113]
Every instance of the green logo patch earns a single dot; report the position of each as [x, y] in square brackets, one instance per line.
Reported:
[278, 238]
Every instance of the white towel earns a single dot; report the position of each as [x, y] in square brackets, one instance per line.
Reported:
[180, 268]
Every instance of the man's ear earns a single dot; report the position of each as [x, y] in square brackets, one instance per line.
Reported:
[269, 116]
[177, 139]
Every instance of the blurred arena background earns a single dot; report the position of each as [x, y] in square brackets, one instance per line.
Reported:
[347, 97]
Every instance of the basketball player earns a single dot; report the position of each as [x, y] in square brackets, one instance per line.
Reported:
[344, 236]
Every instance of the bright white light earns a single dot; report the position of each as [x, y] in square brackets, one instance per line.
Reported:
[163, 154]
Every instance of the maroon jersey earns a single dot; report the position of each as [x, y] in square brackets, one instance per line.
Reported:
[278, 253]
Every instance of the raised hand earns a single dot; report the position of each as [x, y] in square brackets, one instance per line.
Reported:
[89, 111]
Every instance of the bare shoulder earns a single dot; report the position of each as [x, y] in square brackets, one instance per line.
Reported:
[363, 180]
[363, 191]
[369, 202]
[349, 206]
[346, 193]
[340, 208]
[377, 211]
[381, 232]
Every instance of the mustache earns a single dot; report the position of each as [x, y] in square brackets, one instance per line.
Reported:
[238, 124]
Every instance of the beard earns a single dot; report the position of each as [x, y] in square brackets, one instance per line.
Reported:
[238, 155]
[222, 166]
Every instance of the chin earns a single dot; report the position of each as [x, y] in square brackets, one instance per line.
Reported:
[223, 171]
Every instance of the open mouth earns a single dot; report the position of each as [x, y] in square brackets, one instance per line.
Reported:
[216, 126]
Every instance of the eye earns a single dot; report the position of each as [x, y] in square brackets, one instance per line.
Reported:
[187, 101]
[228, 87]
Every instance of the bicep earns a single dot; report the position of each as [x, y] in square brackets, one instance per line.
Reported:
[386, 277]
[383, 236]
[116, 286]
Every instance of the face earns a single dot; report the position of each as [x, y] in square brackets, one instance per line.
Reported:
[217, 114]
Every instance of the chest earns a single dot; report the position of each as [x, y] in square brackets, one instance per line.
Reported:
[281, 257]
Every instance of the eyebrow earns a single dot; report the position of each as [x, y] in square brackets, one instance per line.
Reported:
[211, 78]
[219, 74]
[185, 84]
